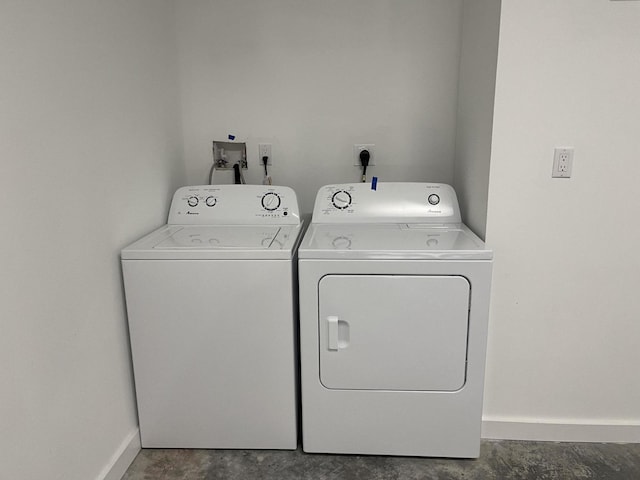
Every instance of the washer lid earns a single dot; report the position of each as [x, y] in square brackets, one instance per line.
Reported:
[216, 242]
[206, 237]
[395, 241]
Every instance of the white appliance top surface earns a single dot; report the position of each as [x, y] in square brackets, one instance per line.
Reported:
[216, 242]
[396, 220]
[393, 241]
[206, 237]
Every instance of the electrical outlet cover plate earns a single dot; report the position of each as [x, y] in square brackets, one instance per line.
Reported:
[358, 147]
[562, 162]
[264, 150]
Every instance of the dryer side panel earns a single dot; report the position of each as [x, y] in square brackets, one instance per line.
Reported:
[393, 332]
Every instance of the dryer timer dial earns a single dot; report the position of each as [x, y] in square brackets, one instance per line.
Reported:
[341, 199]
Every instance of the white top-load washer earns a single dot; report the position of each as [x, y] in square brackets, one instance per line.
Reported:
[394, 298]
[212, 309]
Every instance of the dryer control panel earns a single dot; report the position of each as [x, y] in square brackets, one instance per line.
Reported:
[234, 205]
[391, 202]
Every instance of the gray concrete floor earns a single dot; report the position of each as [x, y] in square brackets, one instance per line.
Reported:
[499, 460]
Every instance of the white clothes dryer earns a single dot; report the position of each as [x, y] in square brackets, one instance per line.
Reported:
[212, 309]
[394, 298]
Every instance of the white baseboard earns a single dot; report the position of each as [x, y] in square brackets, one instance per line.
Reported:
[561, 432]
[122, 458]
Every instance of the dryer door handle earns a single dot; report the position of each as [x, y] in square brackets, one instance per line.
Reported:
[337, 334]
[332, 331]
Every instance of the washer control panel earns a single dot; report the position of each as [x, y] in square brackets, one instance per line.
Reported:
[391, 202]
[234, 205]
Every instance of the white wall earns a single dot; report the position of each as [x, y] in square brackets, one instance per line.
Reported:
[89, 128]
[90, 148]
[477, 80]
[313, 78]
[563, 346]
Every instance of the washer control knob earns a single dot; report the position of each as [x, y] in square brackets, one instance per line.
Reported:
[192, 201]
[433, 199]
[341, 199]
[211, 201]
[270, 201]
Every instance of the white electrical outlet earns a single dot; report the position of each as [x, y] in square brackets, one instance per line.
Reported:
[562, 162]
[357, 148]
[264, 150]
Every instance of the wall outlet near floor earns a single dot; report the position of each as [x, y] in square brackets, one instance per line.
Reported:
[358, 147]
[562, 162]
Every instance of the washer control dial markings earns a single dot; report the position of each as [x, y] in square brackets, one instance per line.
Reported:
[211, 201]
[192, 201]
[434, 199]
[270, 201]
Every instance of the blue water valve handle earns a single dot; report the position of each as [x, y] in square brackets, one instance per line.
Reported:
[374, 183]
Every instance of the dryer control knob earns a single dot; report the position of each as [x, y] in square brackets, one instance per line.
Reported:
[192, 201]
[341, 199]
[433, 199]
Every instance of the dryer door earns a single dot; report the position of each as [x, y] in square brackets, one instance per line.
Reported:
[393, 332]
